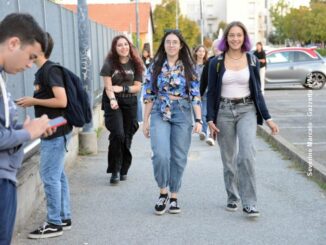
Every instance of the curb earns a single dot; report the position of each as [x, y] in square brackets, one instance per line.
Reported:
[312, 168]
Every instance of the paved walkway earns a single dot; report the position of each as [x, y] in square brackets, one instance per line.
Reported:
[292, 207]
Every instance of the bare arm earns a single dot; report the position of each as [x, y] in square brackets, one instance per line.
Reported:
[146, 124]
[110, 92]
[58, 101]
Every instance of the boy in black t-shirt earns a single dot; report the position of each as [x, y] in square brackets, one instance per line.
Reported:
[50, 98]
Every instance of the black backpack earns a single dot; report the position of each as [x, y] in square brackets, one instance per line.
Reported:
[78, 110]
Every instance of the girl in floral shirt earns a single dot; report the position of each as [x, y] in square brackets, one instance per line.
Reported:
[171, 88]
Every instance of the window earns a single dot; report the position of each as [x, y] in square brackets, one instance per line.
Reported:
[281, 57]
[301, 57]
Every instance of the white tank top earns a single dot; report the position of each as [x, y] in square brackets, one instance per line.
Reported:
[235, 84]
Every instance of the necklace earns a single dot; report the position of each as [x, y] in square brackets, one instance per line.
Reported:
[234, 58]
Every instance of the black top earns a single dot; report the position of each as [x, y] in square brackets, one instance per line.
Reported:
[204, 77]
[147, 61]
[117, 77]
[261, 55]
[43, 90]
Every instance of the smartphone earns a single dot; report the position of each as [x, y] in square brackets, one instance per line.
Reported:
[57, 122]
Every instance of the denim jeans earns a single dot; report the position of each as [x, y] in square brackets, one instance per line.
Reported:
[54, 179]
[203, 114]
[122, 124]
[8, 205]
[139, 107]
[170, 142]
[238, 124]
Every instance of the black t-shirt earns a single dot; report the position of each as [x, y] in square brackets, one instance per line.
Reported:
[118, 79]
[43, 90]
[116, 76]
[261, 55]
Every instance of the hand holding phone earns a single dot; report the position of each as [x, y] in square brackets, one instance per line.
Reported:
[57, 122]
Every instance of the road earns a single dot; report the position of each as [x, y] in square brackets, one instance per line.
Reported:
[301, 116]
[292, 207]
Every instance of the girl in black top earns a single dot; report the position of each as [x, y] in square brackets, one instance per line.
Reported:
[261, 55]
[122, 75]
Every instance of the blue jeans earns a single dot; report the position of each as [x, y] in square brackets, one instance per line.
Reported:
[8, 205]
[139, 107]
[170, 142]
[238, 125]
[54, 179]
[203, 114]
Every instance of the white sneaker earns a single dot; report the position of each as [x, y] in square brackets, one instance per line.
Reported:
[202, 136]
[210, 141]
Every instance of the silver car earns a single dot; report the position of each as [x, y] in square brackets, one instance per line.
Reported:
[290, 66]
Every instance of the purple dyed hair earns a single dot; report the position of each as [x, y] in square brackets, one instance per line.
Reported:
[223, 44]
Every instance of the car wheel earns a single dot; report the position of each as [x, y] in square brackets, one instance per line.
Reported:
[315, 80]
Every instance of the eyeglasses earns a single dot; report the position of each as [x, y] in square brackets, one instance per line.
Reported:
[171, 43]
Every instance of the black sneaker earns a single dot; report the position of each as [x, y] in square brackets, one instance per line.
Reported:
[161, 204]
[123, 177]
[66, 224]
[232, 207]
[115, 178]
[45, 231]
[251, 211]
[174, 208]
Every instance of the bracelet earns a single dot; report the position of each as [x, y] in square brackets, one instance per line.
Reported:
[126, 89]
[199, 121]
[112, 99]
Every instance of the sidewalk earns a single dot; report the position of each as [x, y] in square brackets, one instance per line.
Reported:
[292, 207]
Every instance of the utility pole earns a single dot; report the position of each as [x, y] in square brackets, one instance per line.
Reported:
[201, 23]
[87, 141]
[176, 15]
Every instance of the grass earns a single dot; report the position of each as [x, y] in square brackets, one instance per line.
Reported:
[98, 131]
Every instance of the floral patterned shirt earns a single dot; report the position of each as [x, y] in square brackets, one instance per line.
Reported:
[171, 81]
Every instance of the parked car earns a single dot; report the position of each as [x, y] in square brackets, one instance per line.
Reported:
[295, 65]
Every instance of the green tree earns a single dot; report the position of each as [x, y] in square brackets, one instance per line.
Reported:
[164, 18]
[277, 13]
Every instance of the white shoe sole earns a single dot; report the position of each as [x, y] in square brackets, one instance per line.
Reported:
[33, 236]
[174, 211]
[231, 209]
[159, 212]
[66, 228]
[252, 215]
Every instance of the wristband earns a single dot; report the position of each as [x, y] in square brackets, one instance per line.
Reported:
[126, 89]
[199, 121]
[112, 99]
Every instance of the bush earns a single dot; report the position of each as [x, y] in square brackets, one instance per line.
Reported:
[322, 51]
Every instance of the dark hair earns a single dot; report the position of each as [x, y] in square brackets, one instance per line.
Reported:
[24, 27]
[196, 50]
[147, 48]
[261, 45]
[184, 55]
[49, 45]
[223, 44]
[113, 56]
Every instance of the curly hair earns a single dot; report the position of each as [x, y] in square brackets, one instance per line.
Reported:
[113, 56]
